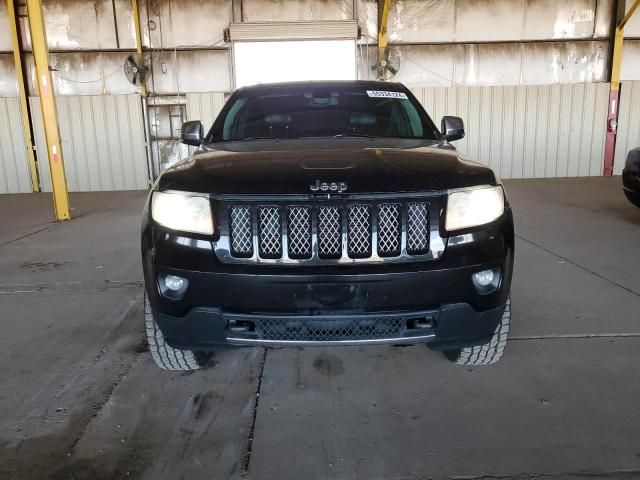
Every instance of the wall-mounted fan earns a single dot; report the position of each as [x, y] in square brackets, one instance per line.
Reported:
[135, 73]
[388, 66]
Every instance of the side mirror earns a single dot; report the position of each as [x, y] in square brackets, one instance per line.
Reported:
[192, 133]
[452, 128]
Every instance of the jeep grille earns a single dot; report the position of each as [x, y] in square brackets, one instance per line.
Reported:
[325, 231]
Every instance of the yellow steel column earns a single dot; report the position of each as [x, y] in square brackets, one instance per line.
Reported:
[22, 93]
[617, 46]
[136, 24]
[48, 107]
[614, 91]
[383, 16]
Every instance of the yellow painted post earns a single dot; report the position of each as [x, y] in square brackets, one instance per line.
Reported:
[48, 107]
[136, 24]
[22, 93]
[384, 6]
[614, 91]
[616, 61]
[617, 46]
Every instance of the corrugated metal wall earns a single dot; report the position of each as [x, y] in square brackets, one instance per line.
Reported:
[204, 107]
[628, 124]
[102, 142]
[14, 169]
[528, 131]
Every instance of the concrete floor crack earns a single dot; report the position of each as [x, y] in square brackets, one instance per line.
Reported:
[19, 288]
[613, 474]
[563, 336]
[99, 406]
[26, 235]
[249, 449]
[582, 267]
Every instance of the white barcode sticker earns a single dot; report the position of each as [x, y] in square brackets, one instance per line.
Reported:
[386, 94]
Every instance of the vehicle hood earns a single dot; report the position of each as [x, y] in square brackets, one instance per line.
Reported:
[291, 166]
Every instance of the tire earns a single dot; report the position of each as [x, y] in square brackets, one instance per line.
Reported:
[634, 198]
[166, 357]
[489, 352]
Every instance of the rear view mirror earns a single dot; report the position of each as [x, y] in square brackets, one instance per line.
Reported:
[452, 128]
[192, 133]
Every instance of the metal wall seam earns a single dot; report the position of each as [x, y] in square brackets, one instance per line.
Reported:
[102, 138]
[628, 123]
[14, 168]
[528, 131]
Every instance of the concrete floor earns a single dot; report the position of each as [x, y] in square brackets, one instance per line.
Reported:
[80, 397]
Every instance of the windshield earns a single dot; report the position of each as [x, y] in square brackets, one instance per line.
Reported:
[322, 111]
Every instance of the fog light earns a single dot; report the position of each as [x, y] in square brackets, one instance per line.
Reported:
[174, 283]
[482, 279]
[172, 286]
[486, 281]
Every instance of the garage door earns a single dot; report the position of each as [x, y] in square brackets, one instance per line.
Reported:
[267, 52]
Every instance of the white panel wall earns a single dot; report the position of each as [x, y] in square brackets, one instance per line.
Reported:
[418, 21]
[204, 107]
[102, 142]
[14, 167]
[528, 131]
[490, 64]
[628, 124]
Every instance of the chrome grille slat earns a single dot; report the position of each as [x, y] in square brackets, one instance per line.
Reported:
[299, 231]
[329, 231]
[417, 228]
[339, 231]
[270, 231]
[389, 228]
[241, 231]
[359, 231]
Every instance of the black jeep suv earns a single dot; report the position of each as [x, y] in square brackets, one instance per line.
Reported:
[326, 213]
[631, 177]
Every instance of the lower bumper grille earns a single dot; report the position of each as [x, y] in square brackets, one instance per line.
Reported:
[322, 330]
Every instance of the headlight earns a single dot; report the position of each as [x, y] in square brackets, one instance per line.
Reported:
[474, 206]
[182, 211]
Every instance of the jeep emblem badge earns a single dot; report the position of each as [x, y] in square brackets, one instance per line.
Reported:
[328, 186]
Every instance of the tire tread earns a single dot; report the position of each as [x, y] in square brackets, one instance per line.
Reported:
[165, 356]
[489, 352]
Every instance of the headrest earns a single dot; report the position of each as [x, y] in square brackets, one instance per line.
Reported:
[362, 119]
[278, 119]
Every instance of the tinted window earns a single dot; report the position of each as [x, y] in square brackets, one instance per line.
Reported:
[314, 111]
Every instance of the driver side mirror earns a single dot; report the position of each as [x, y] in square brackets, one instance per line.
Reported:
[452, 128]
[192, 133]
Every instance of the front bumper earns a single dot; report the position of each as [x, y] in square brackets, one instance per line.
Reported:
[451, 326]
[434, 302]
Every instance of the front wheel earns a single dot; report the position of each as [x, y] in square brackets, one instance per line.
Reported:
[633, 198]
[166, 357]
[489, 352]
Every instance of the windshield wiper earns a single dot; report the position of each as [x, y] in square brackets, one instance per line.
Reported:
[256, 138]
[362, 135]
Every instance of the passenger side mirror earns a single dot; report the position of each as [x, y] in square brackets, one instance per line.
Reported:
[452, 128]
[192, 133]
